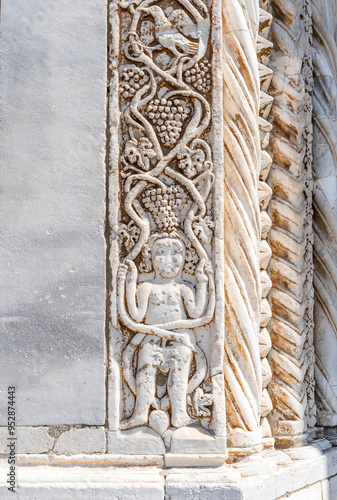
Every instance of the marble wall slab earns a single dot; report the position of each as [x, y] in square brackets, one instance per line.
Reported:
[52, 246]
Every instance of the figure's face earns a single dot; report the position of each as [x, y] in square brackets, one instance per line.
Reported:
[168, 255]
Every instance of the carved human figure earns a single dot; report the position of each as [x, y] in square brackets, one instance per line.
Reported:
[167, 298]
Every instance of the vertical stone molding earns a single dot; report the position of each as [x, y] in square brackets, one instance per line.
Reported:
[166, 216]
[291, 327]
[264, 48]
[242, 160]
[325, 209]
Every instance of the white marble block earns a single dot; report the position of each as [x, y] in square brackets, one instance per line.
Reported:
[52, 247]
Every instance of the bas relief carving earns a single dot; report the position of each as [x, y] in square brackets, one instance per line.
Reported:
[166, 280]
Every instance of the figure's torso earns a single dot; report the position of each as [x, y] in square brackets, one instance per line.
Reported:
[165, 304]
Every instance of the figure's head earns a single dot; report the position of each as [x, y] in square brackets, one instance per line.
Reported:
[168, 257]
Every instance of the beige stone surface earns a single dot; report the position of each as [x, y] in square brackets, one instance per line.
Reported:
[242, 225]
[290, 237]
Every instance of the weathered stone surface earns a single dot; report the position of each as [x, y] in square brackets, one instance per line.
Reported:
[208, 475]
[140, 441]
[303, 452]
[194, 439]
[91, 460]
[290, 210]
[188, 234]
[52, 210]
[256, 467]
[290, 478]
[329, 489]
[210, 483]
[242, 224]
[189, 460]
[85, 440]
[88, 492]
[33, 440]
[314, 492]
[325, 205]
[203, 492]
[49, 483]
[3, 439]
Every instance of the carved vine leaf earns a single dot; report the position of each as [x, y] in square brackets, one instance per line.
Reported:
[203, 229]
[200, 403]
[129, 234]
[137, 156]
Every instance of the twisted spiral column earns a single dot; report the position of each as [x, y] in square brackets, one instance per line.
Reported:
[264, 48]
[291, 326]
[325, 209]
[242, 365]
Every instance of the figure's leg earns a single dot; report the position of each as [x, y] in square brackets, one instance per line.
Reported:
[148, 360]
[180, 363]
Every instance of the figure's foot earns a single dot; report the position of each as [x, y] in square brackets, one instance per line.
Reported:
[183, 421]
[131, 423]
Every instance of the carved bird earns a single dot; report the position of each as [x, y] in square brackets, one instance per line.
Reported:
[172, 32]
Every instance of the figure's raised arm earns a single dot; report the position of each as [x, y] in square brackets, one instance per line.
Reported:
[195, 303]
[128, 273]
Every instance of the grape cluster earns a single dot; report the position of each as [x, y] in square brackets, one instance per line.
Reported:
[168, 117]
[199, 77]
[132, 79]
[162, 203]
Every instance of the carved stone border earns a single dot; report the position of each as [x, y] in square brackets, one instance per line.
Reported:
[120, 440]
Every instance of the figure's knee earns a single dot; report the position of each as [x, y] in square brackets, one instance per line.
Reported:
[149, 354]
[181, 354]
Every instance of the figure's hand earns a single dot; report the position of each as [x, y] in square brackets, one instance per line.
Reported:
[122, 272]
[132, 274]
[200, 275]
[209, 269]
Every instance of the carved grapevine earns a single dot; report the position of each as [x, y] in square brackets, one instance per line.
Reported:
[165, 282]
